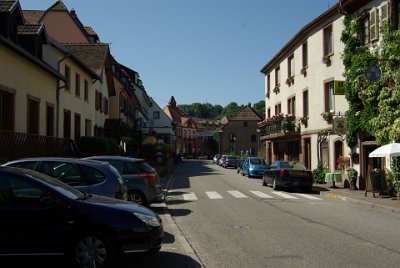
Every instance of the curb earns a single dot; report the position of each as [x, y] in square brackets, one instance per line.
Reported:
[187, 247]
[367, 204]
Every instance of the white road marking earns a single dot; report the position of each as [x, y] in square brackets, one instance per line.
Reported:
[237, 194]
[309, 196]
[284, 195]
[213, 195]
[261, 194]
[189, 197]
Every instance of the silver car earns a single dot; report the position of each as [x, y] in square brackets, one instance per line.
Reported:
[143, 180]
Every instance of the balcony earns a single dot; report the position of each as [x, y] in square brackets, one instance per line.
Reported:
[279, 126]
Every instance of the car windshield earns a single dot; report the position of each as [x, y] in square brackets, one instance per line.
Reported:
[257, 161]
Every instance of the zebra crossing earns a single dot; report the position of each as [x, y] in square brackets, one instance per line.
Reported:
[214, 195]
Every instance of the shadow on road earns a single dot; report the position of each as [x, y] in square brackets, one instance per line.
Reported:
[162, 259]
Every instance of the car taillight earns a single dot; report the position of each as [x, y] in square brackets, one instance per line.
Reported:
[282, 173]
[147, 176]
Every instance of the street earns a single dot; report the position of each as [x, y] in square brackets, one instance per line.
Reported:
[233, 221]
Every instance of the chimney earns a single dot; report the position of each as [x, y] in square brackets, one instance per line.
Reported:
[72, 12]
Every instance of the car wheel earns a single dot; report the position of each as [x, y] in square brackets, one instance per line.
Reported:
[94, 249]
[137, 197]
[274, 186]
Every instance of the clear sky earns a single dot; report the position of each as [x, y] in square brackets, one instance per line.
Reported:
[207, 51]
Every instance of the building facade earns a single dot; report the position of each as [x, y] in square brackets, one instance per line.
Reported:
[302, 100]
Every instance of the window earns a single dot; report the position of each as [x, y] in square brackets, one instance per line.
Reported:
[98, 100]
[23, 193]
[156, 115]
[49, 120]
[292, 105]
[305, 103]
[67, 124]
[33, 116]
[245, 124]
[67, 74]
[105, 105]
[268, 85]
[277, 109]
[92, 176]
[328, 41]
[373, 27]
[77, 85]
[329, 97]
[67, 173]
[88, 127]
[291, 66]
[365, 32]
[86, 89]
[305, 55]
[6, 110]
[277, 76]
[77, 126]
[268, 112]
[253, 138]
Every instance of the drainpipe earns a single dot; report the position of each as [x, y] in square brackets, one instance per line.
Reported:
[59, 87]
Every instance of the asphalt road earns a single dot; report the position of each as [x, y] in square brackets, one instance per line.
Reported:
[233, 221]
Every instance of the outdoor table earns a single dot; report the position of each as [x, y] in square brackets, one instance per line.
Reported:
[333, 177]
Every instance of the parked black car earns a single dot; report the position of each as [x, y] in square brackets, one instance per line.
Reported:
[143, 181]
[41, 216]
[229, 161]
[89, 176]
[282, 174]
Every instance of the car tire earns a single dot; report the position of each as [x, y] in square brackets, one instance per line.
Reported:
[93, 249]
[274, 185]
[137, 198]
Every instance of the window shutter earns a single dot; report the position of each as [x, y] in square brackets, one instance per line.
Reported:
[384, 16]
[373, 28]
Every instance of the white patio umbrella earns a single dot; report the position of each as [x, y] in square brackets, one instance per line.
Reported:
[391, 149]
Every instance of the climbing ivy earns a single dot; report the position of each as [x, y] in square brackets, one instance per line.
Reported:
[373, 105]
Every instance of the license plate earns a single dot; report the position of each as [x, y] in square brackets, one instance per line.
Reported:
[299, 173]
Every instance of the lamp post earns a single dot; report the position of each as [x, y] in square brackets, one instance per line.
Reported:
[258, 141]
[234, 140]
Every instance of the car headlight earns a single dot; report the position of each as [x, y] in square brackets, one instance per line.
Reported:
[149, 220]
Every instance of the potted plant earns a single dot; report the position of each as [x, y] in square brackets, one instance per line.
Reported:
[304, 120]
[352, 175]
[328, 116]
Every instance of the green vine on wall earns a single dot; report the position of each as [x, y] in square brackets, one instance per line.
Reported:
[373, 105]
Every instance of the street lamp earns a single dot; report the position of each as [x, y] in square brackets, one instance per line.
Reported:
[234, 140]
[258, 141]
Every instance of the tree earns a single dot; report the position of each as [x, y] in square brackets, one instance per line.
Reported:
[259, 107]
[231, 109]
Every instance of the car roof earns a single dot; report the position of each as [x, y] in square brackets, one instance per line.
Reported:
[64, 159]
[114, 157]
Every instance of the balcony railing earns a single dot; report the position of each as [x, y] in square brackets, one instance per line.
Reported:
[280, 128]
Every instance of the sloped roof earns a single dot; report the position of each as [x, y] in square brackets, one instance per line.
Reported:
[33, 16]
[59, 5]
[93, 55]
[90, 31]
[246, 114]
[30, 29]
[7, 6]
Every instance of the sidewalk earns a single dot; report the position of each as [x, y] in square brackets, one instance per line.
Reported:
[383, 203]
